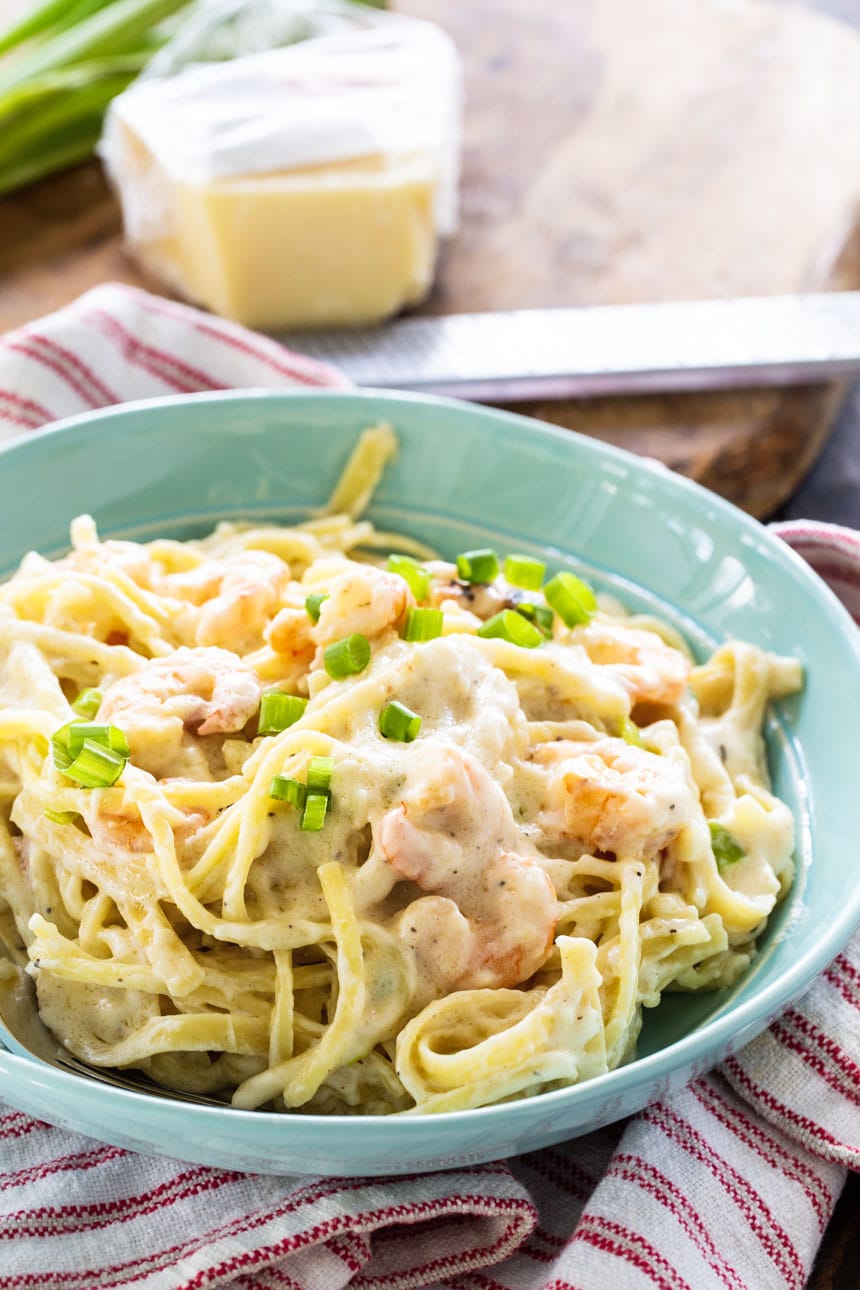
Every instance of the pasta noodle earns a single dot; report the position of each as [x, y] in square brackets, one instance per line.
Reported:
[286, 824]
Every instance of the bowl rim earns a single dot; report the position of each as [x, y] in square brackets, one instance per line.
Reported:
[729, 1030]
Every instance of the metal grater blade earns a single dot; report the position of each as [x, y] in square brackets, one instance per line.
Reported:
[602, 350]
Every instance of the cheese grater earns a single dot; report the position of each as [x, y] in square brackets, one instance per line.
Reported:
[602, 350]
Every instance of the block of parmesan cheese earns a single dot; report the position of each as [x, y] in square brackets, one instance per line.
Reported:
[300, 187]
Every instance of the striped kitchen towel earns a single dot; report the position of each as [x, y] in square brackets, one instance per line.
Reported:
[116, 344]
[726, 1185]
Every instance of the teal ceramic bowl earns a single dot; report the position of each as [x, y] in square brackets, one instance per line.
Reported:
[465, 476]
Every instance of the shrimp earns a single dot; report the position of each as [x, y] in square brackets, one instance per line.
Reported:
[490, 916]
[291, 635]
[204, 691]
[119, 830]
[609, 795]
[650, 670]
[365, 600]
[238, 596]
[89, 555]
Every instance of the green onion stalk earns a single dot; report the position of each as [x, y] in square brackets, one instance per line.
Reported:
[55, 120]
[61, 66]
[51, 17]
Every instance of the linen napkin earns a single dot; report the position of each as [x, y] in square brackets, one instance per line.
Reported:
[726, 1185]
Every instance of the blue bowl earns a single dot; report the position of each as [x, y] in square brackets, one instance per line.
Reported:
[467, 475]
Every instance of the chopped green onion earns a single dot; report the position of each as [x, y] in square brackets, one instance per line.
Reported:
[61, 817]
[319, 774]
[87, 703]
[513, 627]
[478, 566]
[312, 605]
[347, 657]
[523, 571]
[284, 789]
[629, 732]
[96, 766]
[538, 614]
[97, 732]
[412, 572]
[726, 850]
[571, 598]
[278, 711]
[313, 818]
[423, 624]
[60, 747]
[312, 798]
[69, 740]
[396, 721]
[543, 618]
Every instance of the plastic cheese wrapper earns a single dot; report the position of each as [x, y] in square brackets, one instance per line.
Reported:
[300, 186]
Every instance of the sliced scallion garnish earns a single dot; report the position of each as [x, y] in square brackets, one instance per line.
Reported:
[478, 566]
[629, 732]
[312, 605]
[68, 742]
[313, 816]
[319, 774]
[97, 732]
[524, 571]
[279, 711]
[60, 747]
[347, 657]
[412, 573]
[510, 626]
[423, 624]
[284, 789]
[571, 598]
[727, 850]
[543, 618]
[396, 721]
[87, 703]
[541, 615]
[61, 817]
[95, 766]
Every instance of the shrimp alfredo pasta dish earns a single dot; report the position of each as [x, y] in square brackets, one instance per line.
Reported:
[292, 820]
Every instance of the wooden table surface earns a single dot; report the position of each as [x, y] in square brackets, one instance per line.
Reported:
[611, 152]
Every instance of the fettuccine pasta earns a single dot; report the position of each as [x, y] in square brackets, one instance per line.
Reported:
[288, 822]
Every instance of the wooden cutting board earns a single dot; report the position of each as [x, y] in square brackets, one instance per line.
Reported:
[612, 151]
